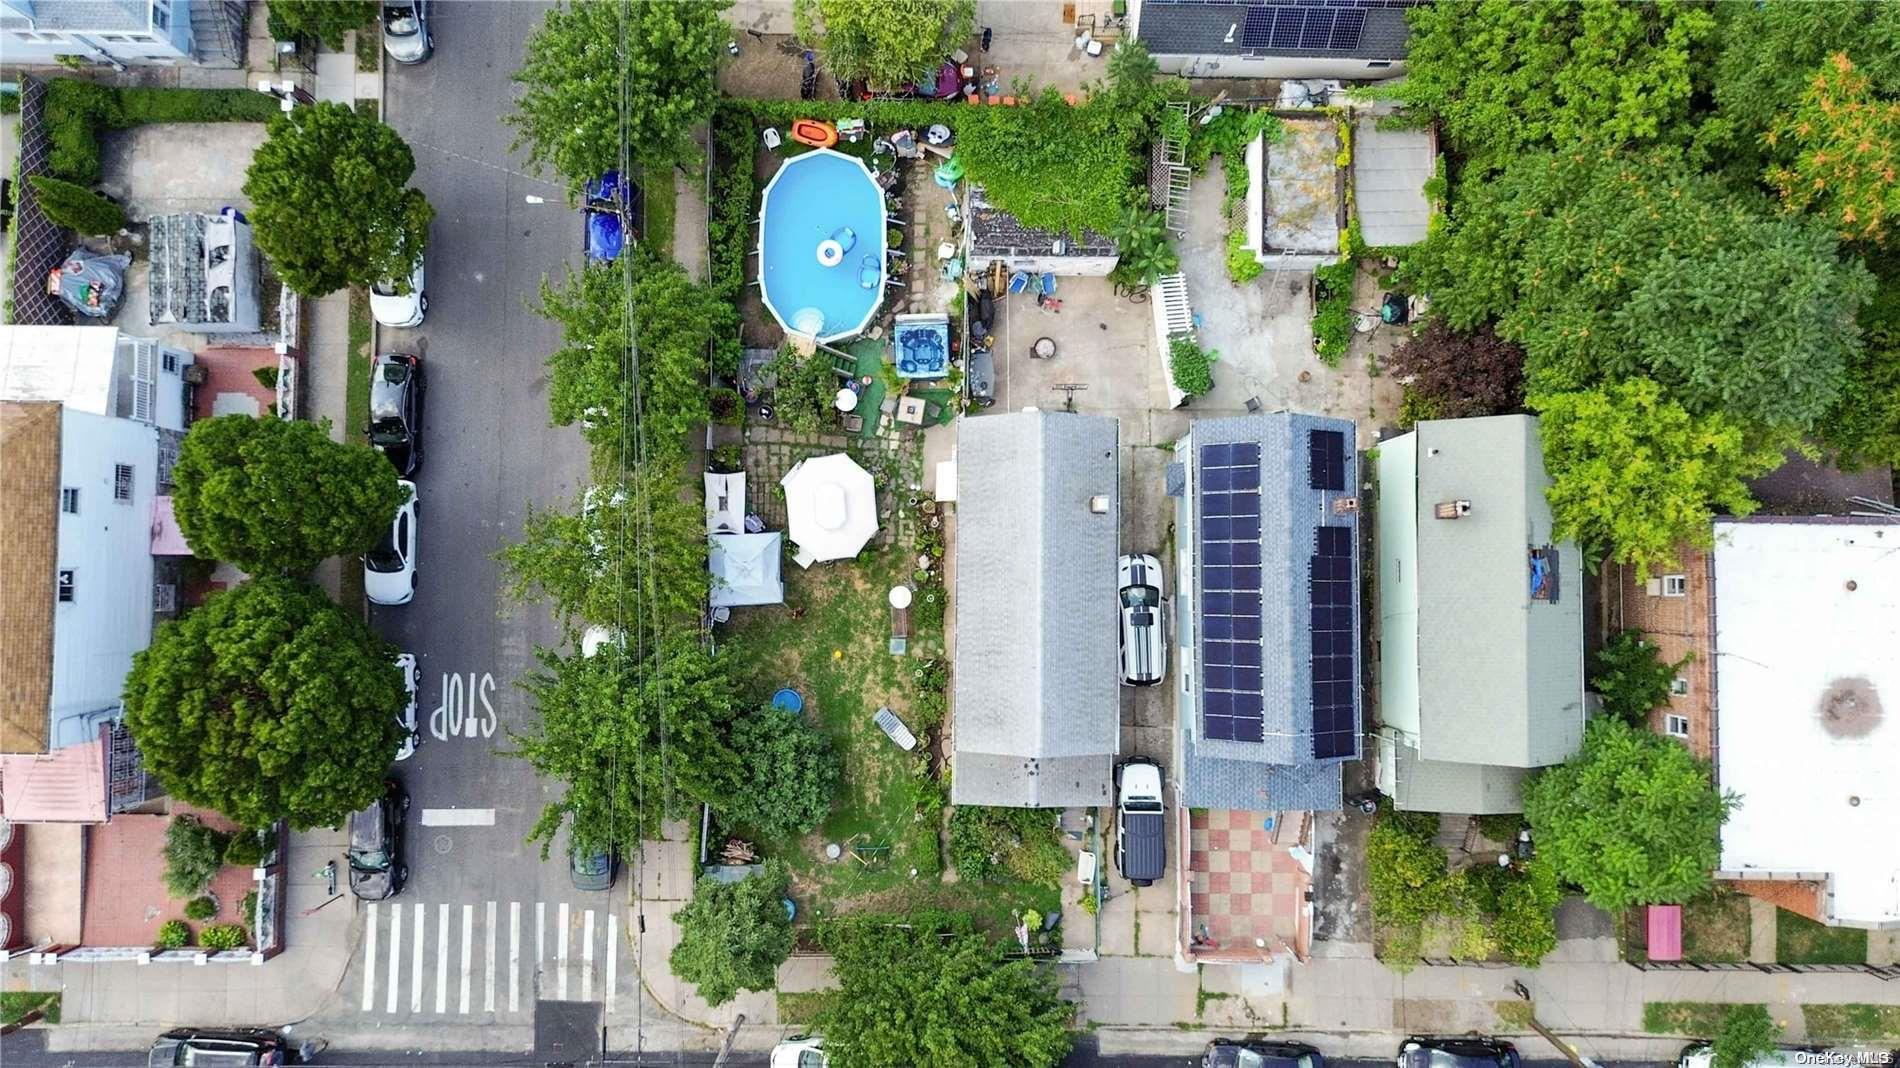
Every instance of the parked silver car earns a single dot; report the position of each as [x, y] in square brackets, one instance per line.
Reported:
[406, 35]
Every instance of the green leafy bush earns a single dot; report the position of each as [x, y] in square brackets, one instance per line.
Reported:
[201, 908]
[991, 842]
[1141, 240]
[734, 187]
[1405, 874]
[246, 849]
[173, 934]
[1631, 676]
[320, 20]
[1501, 827]
[247, 911]
[929, 697]
[1747, 1035]
[1242, 265]
[803, 388]
[1332, 317]
[193, 855]
[77, 208]
[221, 936]
[1190, 365]
[788, 773]
[1524, 918]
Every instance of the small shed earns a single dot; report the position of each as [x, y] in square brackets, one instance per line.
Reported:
[1296, 201]
[1389, 172]
[203, 275]
[725, 503]
[1665, 932]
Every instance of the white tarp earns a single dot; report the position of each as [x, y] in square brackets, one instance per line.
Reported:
[745, 569]
[725, 503]
[830, 506]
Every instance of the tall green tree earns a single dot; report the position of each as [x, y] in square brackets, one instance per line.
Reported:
[628, 552]
[791, 772]
[733, 936]
[572, 114]
[1846, 141]
[275, 496]
[928, 991]
[321, 20]
[1635, 475]
[1506, 77]
[1864, 426]
[675, 319]
[634, 734]
[1768, 53]
[75, 207]
[332, 200]
[1607, 266]
[268, 702]
[1632, 819]
[1632, 677]
[890, 43]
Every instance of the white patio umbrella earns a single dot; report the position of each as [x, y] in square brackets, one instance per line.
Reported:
[830, 508]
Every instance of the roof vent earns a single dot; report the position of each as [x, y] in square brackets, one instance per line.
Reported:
[1345, 506]
[1452, 509]
[1099, 504]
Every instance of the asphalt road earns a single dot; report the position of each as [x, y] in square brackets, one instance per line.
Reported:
[460, 944]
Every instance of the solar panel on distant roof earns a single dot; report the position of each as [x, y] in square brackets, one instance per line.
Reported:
[1326, 459]
[1347, 31]
[1317, 30]
[1286, 28]
[1257, 30]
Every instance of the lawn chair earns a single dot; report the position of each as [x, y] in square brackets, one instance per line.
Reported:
[1048, 283]
[894, 729]
[869, 271]
[1019, 281]
[771, 138]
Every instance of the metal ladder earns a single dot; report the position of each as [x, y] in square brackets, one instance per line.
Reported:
[1174, 158]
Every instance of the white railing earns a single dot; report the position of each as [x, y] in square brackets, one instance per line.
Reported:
[1173, 316]
[286, 383]
[144, 384]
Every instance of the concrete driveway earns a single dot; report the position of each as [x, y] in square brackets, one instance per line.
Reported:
[179, 166]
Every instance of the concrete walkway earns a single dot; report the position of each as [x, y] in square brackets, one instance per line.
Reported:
[1761, 931]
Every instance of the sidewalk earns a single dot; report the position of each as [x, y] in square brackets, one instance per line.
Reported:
[118, 1005]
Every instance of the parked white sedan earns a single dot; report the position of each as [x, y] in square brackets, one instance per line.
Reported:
[406, 662]
[389, 570]
[393, 307]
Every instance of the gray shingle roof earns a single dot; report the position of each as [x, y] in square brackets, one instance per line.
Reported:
[995, 232]
[1211, 782]
[92, 15]
[1500, 675]
[1036, 697]
[1442, 786]
[1197, 28]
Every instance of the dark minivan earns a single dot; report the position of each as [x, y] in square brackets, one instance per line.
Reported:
[395, 410]
[376, 833]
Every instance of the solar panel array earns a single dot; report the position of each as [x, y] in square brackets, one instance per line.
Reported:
[1282, 28]
[1360, 4]
[1334, 651]
[1326, 459]
[1230, 592]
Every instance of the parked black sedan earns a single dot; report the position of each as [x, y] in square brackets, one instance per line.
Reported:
[1458, 1051]
[234, 1046]
[1253, 1053]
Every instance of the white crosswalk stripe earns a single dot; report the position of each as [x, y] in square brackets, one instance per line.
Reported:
[570, 938]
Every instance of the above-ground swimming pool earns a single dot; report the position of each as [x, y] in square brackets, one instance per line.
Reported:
[821, 245]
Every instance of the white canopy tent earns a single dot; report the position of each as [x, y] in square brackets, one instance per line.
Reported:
[725, 503]
[830, 506]
[745, 569]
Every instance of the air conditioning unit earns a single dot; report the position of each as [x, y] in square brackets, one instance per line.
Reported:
[1451, 509]
[1345, 506]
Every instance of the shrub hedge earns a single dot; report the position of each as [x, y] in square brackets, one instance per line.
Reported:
[77, 110]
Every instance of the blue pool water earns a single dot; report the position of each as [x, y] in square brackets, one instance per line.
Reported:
[822, 204]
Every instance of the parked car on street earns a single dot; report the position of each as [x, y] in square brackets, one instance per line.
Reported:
[1457, 1051]
[1141, 832]
[1702, 1055]
[593, 870]
[406, 35]
[1144, 639]
[389, 570]
[611, 209]
[394, 304]
[406, 663]
[395, 410]
[1254, 1053]
[375, 856]
[800, 1051]
[226, 1045]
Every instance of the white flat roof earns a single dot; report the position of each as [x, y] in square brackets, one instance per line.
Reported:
[1808, 691]
[70, 364]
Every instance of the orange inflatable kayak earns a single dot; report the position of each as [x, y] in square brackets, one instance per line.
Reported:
[814, 133]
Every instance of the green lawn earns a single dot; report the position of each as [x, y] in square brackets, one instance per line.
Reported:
[1857, 1022]
[15, 1004]
[356, 422]
[1799, 940]
[830, 642]
[799, 1009]
[656, 185]
[1696, 1019]
[1715, 927]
